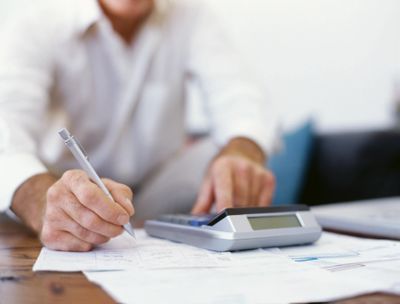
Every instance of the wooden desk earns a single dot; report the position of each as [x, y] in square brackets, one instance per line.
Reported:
[18, 284]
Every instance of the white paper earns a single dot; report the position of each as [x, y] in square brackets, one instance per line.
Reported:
[124, 252]
[335, 252]
[368, 260]
[293, 274]
[282, 282]
[153, 271]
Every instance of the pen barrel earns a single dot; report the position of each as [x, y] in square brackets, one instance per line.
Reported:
[86, 166]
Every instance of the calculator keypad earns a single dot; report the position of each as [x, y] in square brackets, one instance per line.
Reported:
[187, 219]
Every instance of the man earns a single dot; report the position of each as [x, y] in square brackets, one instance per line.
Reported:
[114, 72]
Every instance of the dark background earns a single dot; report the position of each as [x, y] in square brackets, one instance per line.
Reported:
[353, 166]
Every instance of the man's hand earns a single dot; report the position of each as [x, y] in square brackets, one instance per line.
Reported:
[76, 214]
[236, 178]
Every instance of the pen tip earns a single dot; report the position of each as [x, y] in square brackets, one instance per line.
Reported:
[128, 228]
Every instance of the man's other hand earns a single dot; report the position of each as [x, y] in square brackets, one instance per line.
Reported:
[236, 178]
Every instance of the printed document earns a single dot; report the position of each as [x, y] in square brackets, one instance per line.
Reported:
[152, 270]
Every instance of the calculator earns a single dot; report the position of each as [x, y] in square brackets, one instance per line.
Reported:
[239, 228]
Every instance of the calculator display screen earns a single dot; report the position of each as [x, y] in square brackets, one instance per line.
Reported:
[273, 222]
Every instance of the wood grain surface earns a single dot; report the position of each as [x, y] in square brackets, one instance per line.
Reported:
[19, 249]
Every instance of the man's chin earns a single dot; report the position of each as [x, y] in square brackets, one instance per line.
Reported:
[128, 9]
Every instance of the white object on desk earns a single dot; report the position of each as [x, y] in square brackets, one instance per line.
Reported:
[376, 217]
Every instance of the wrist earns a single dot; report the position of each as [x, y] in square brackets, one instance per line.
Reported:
[244, 147]
[29, 201]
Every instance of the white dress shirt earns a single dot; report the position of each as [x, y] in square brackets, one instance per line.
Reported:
[63, 65]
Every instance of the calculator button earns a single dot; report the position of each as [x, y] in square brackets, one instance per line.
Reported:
[200, 221]
[184, 219]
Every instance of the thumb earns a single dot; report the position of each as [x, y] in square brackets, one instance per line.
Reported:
[205, 198]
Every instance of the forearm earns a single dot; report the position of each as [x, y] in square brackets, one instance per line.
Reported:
[29, 200]
[245, 147]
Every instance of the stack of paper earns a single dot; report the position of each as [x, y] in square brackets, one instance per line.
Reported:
[153, 271]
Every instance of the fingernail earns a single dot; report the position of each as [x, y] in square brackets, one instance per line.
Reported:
[123, 219]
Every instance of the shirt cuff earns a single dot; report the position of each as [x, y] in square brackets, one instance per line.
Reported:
[15, 170]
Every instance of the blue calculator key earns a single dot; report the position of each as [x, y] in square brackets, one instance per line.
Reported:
[200, 220]
[186, 219]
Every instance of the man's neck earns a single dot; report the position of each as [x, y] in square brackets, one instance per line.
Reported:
[126, 28]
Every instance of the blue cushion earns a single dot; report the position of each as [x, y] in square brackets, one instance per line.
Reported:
[290, 165]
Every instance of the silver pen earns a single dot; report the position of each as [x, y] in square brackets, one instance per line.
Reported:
[79, 153]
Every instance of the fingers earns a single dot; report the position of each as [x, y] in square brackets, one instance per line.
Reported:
[57, 239]
[122, 195]
[67, 224]
[78, 215]
[236, 181]
[268, 189]
[242, 182]
[62, 240]
[90, 220]
[256, 186]
[205, 198]
[92, 197]
[84, 234]
[223, 185]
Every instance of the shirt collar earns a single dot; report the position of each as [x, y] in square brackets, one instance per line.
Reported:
[89, 12]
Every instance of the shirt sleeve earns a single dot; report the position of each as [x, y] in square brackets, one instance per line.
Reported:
[25, 80]
[235, 102]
